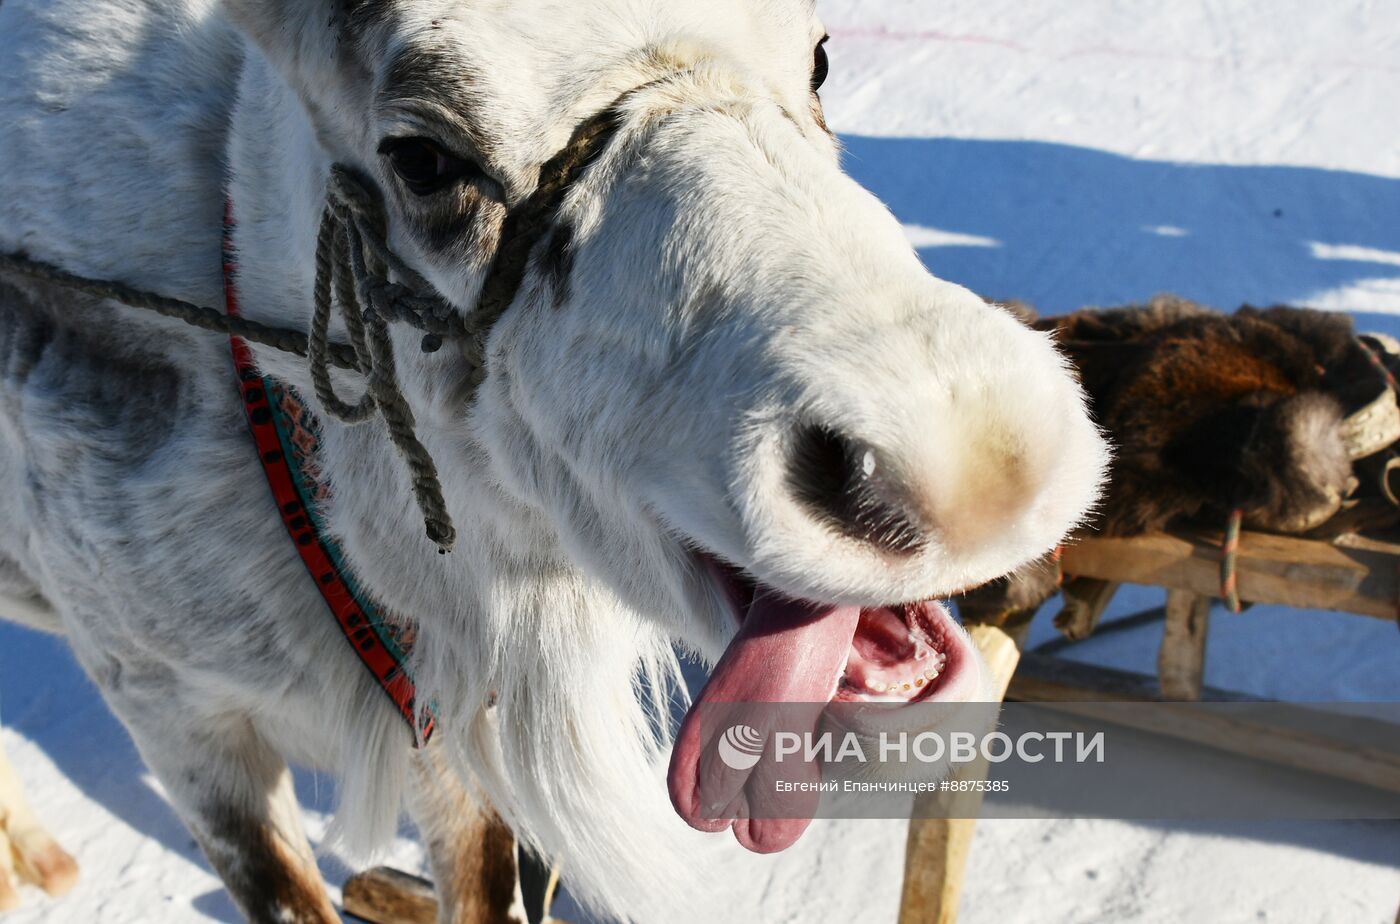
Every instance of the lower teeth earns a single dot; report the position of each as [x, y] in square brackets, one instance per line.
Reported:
[939, 661]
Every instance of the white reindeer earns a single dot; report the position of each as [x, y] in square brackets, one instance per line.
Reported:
[727, 408]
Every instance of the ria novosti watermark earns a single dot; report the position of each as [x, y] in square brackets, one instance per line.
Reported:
[742, 746]
[1101, 760]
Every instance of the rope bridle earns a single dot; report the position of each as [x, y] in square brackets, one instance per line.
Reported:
[373, 288]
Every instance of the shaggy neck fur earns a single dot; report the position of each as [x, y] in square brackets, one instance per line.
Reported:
[581, 684]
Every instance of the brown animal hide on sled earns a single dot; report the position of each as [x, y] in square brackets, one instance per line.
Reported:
[1209, 413]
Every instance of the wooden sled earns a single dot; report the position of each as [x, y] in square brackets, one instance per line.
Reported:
[1349, 574]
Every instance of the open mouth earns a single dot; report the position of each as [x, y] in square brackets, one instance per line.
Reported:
[788, 651]
[902, 653]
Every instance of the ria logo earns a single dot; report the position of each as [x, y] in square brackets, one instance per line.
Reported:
[740, 747]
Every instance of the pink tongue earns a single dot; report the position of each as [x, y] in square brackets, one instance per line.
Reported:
[786, 652]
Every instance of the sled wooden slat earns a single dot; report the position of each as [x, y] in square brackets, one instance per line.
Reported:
[936, 850]
[1352, 574]
[1085, 599]
[1044, 678]
[1182, 661]
[1318, 742]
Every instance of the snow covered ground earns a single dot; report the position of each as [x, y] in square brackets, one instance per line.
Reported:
[1067, 154]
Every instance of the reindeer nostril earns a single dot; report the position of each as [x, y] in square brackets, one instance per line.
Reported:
[842, 482]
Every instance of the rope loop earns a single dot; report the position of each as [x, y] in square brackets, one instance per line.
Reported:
[353, 261]
[1229, 555]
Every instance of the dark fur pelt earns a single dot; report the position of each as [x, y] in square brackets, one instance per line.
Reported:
[1209, 413]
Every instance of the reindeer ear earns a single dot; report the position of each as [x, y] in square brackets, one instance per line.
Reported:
[299, 37]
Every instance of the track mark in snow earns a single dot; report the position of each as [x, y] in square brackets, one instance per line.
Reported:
[1231, 60]
[882, 33]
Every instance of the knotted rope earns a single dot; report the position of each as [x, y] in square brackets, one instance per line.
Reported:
[209, 319]
[357, 272]
[353, 263]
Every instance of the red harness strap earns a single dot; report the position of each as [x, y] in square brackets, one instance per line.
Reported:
[286, 434]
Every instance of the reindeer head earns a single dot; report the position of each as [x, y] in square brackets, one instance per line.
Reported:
[726, 381]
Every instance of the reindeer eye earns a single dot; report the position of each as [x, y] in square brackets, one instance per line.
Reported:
[820, 65]
[424, 167]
